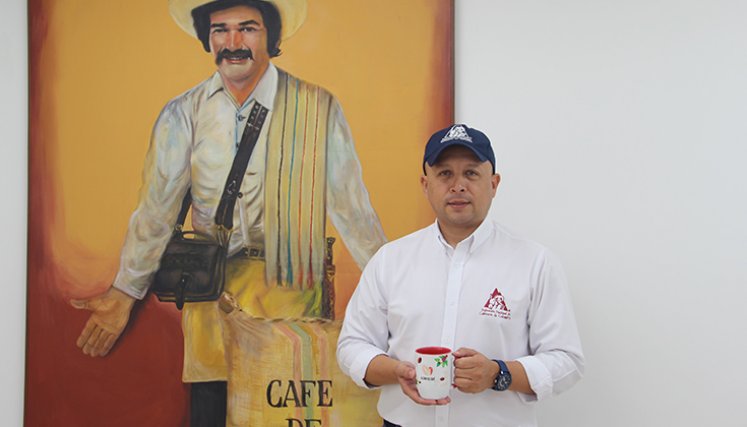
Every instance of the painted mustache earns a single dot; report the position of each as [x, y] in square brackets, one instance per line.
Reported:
[233, 55]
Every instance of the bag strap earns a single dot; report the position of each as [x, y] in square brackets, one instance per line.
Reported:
[186, 203]
[224, 214]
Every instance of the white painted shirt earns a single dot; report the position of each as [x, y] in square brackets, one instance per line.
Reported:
[504, 296]
[194, 142]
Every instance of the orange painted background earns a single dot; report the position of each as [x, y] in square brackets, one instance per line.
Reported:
[100, 73]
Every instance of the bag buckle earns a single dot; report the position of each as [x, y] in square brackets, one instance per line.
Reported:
[223, 235]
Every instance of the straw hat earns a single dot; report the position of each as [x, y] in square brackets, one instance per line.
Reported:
[292, 14]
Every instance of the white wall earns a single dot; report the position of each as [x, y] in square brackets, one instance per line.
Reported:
[620, 129]
[13, 162]
[621, 136]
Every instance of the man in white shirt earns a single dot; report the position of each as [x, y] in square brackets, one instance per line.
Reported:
[304, 166]
[464, 283]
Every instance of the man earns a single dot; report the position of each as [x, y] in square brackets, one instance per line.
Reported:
[303, 166]
[463, 283]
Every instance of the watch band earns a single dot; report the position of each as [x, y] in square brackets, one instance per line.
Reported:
[503, 379]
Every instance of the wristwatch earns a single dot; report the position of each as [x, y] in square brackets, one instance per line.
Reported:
[503, 379]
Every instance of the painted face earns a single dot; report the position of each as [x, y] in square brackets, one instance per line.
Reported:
[459, 188]
[238, 42]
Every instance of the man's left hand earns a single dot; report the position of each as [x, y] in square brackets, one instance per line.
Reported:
[473, 372]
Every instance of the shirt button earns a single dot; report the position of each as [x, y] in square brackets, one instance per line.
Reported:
[240, 118]
[241, 194]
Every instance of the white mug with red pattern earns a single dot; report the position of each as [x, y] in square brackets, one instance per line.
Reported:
[433, 372]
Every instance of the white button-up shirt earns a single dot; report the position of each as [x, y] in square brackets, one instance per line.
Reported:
[501, 295]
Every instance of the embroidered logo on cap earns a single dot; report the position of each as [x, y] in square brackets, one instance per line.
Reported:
[496, 306]
[456, 132]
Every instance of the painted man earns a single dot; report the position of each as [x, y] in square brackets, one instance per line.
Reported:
[464, 283]
[303, 166]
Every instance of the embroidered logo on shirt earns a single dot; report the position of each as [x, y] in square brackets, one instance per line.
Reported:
[496, 306]
[456, 132]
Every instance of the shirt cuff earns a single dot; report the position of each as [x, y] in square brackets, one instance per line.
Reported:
[539, 377]
[360, 365]
[129, 290]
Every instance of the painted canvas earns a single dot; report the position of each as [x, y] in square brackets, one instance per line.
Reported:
[135, 104]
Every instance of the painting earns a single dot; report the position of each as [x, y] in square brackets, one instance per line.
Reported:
[135, 104]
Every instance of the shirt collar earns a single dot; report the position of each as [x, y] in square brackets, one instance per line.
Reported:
[474, 240]
[264, 93]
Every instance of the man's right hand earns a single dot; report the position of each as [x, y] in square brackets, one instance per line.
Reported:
[405, 372]
[109, 314]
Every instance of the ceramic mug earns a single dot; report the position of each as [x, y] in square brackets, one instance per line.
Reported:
[433, 372]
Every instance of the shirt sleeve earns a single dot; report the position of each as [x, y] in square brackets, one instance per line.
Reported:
[348, 204]
[166, 178]
[556, 360]
[365, 330]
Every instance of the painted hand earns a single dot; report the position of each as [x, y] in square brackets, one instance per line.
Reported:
[109, 314]
[405, 373]
[473, 372]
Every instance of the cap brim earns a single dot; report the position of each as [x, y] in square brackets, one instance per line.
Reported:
[431, 160]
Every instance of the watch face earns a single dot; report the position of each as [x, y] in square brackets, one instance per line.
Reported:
[503, 382]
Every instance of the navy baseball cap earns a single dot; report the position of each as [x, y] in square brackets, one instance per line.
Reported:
[459, 134]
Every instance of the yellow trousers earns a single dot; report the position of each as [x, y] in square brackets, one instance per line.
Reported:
[202, 324]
